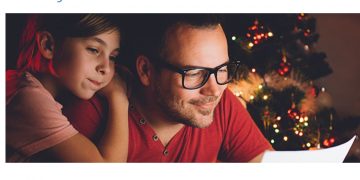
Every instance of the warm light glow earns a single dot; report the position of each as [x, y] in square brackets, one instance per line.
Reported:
[251, 44]
[275, 125]
[285, 138]
[272, 141]
[306, 118]
[233, 38]
[277, 130]
[322, 89]
[301, 119]
[306, 124]
[297, 117]
[260, 86]
[301, 133]
[296, 132]
[265, 97]
[278, 118]
[270, 34]
[237, 94]
[253, 70]
[252, 97]
[308, 144]
[306, 47]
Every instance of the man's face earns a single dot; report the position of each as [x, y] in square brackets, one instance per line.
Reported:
[187, 46]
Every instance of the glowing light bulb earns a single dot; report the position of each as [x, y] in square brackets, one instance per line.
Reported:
[272, 141]
[237, 94]
[301, 134]
[270, 34]
[277, 130]
[306, 118]
[301, 119]
[322, 89]
[260, 86]
[306, 47]
[285, 138]
[253, 70]
[252, 97]
[251, 45]
[275, 125]
[308, 144]
[306, 124]
[233, 38]
[278, 118]
[265, 97]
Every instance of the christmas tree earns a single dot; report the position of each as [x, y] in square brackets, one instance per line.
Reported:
[276, 82]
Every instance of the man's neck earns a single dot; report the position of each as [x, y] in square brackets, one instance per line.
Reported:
[165, 127]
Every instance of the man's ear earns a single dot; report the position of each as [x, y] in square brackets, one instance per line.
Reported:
[46, 44]
[144, 69]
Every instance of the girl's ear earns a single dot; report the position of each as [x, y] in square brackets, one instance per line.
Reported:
[143, 68]
[46, 44]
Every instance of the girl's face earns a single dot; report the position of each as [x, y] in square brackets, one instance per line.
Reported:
[85, 65]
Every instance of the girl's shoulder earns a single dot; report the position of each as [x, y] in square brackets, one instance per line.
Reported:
[24, 88]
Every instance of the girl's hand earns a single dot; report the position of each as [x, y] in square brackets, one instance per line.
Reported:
[116, 87]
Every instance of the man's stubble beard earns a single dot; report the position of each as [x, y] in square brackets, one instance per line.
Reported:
[181, 111]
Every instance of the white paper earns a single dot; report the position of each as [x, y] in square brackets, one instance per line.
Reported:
[333, 154]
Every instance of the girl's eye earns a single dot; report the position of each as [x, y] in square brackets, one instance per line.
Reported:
[93, 50]
[113, 58]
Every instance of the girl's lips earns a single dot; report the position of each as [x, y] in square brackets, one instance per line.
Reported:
[97, 83]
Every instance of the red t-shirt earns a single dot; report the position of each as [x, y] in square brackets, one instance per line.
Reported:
[232, 137]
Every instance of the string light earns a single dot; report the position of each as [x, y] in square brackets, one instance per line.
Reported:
[306, 47]
[285, 138]
[322, 89]
[233, 38]
[277, 130]
[278, 118]
[265, 97]
[275, 125]
[301, 119]
[308, 144]
[252, 97]
[306, 124]
[253, 70]
[306, 118]
[260, 86]
[250, 44]
[272, 141]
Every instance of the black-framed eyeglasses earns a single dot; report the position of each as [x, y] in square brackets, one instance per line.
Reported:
[196, 77]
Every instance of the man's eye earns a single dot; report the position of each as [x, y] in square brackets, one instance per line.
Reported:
[93, 50]
[194, 73]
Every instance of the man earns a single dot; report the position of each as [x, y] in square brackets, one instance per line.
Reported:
[180, 109]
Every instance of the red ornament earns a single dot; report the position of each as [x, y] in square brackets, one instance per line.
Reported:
[284, 68]
[328, 142]
[293, 113]
[257, 33]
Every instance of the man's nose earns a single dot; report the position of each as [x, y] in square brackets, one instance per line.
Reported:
[211, 87]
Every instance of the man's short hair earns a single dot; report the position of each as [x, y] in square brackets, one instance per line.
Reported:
[145, 34]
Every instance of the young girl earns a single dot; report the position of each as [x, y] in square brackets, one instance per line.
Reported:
[58, 53]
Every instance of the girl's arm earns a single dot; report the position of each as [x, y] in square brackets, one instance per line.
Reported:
[113, 146]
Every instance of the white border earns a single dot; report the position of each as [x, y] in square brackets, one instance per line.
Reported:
[172, 170]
